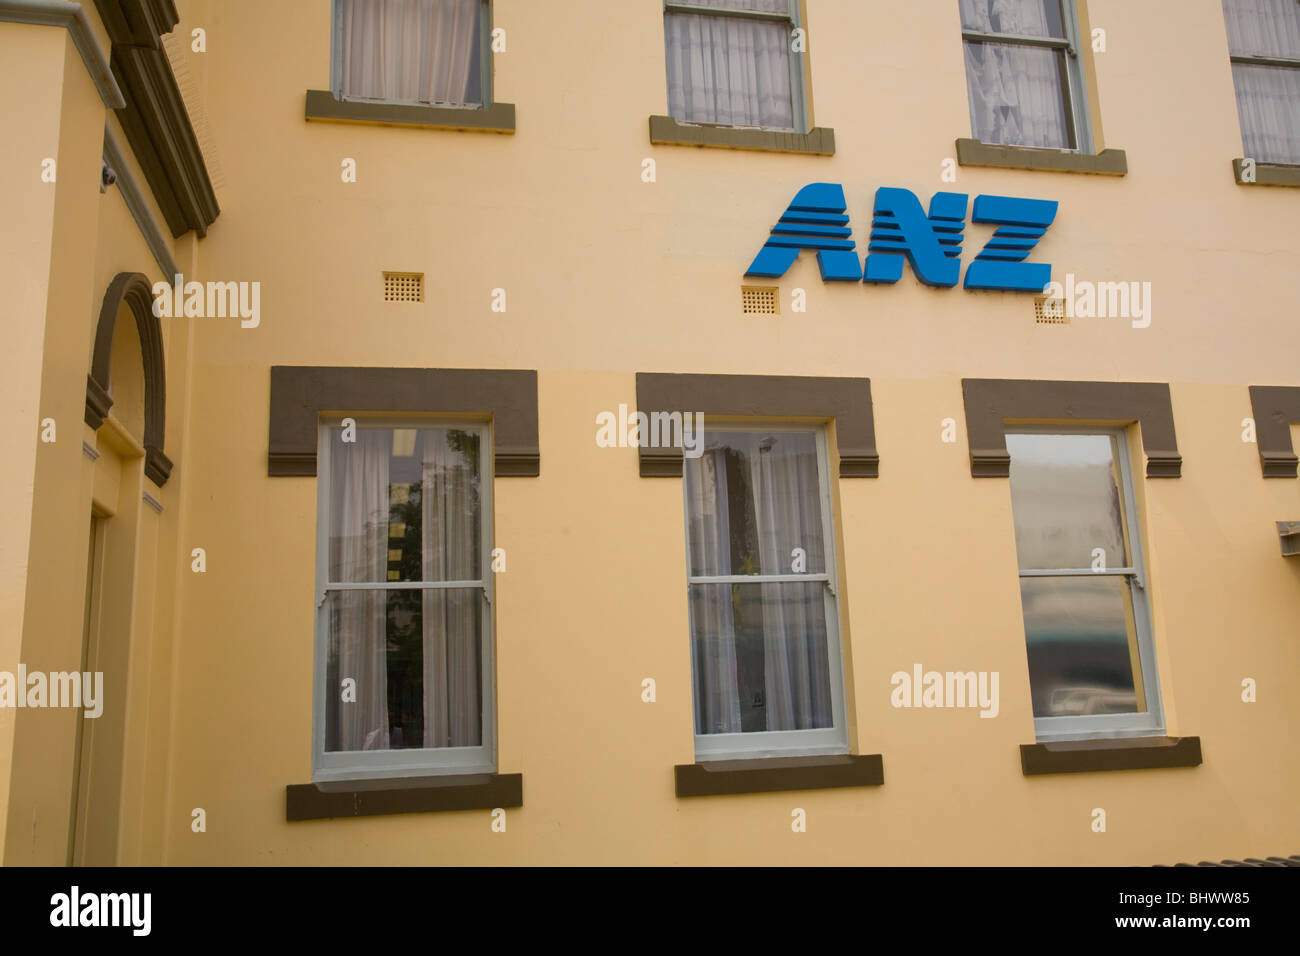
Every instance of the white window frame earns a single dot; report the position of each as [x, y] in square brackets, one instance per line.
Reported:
[1150, 722]
[1250, 59]
[405, 762]
[780, 743]
[1076, 83]
[798, 92]
[484, 61]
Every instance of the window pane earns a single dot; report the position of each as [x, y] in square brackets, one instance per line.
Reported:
[1066, 498]
[1026, 18]
[1268, 103]
[728, 71]
[752, 498]
[1018, 95]
[415, 661]
[1082, 644]
[404, 505]
[410, 51]
[1263, 27]
[760, 657]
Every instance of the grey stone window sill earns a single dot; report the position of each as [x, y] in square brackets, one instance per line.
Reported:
[1268, 174]
[1122, 753]
[1109, 162]
[1288, 533]
[773, 774]
[368, 798]
[664, 130]
[497, 118]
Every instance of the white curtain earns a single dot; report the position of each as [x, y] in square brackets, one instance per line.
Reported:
[728, 70]
[1268, 97]
[449, 503]
[359, 553]
[409, 51]
[787, 507]
[782, 512]
[1015, 91]
[717, 694]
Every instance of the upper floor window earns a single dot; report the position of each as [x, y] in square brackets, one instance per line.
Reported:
[404, 624]
[765, 648]
[1264, 44]
[1024, 77]
[417, 52]
[735, 63]
[1092, 669]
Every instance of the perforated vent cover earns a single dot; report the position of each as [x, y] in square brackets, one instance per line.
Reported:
[758, 300]
[403, 286]
[1050, 311]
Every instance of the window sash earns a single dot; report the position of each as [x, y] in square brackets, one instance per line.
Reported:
[1075, 93]
[792, 16]
[484, 60]
[1150, 722]
[406, 762]
[782, 743]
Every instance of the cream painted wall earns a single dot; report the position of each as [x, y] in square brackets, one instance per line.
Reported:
[606, 276]
[62, 245]
[32, 57]
[51, 626]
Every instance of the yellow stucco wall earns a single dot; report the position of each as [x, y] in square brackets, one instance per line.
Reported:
[64, 241]
[607, 275]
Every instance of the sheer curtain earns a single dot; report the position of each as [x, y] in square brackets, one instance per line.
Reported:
[449, 514]
[717, 692]
[787, 506]
[785, 665]
[1016, 92]
[1268, 97]
[409, 51]
[359, 522]
[728, 70]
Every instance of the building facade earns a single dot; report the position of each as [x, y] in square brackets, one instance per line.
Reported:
[559, 431]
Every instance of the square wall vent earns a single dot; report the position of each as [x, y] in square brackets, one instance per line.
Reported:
[759, 300]
[403, 286]
[1050, 311]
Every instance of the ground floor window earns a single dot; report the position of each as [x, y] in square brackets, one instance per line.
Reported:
[1082, 584]
[404, 634]
[765, 648]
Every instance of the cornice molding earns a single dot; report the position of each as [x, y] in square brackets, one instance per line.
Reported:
[846, 401]
[1275, 409]
[154, 117]
[991, 403]
[299, 394]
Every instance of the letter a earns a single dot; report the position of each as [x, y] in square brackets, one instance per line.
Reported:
[815, 220]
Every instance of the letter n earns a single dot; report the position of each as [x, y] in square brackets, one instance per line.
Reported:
[1000, 264]
[932, 244]
[816, 220]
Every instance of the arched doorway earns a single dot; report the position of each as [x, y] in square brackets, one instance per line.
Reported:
[125, 404]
